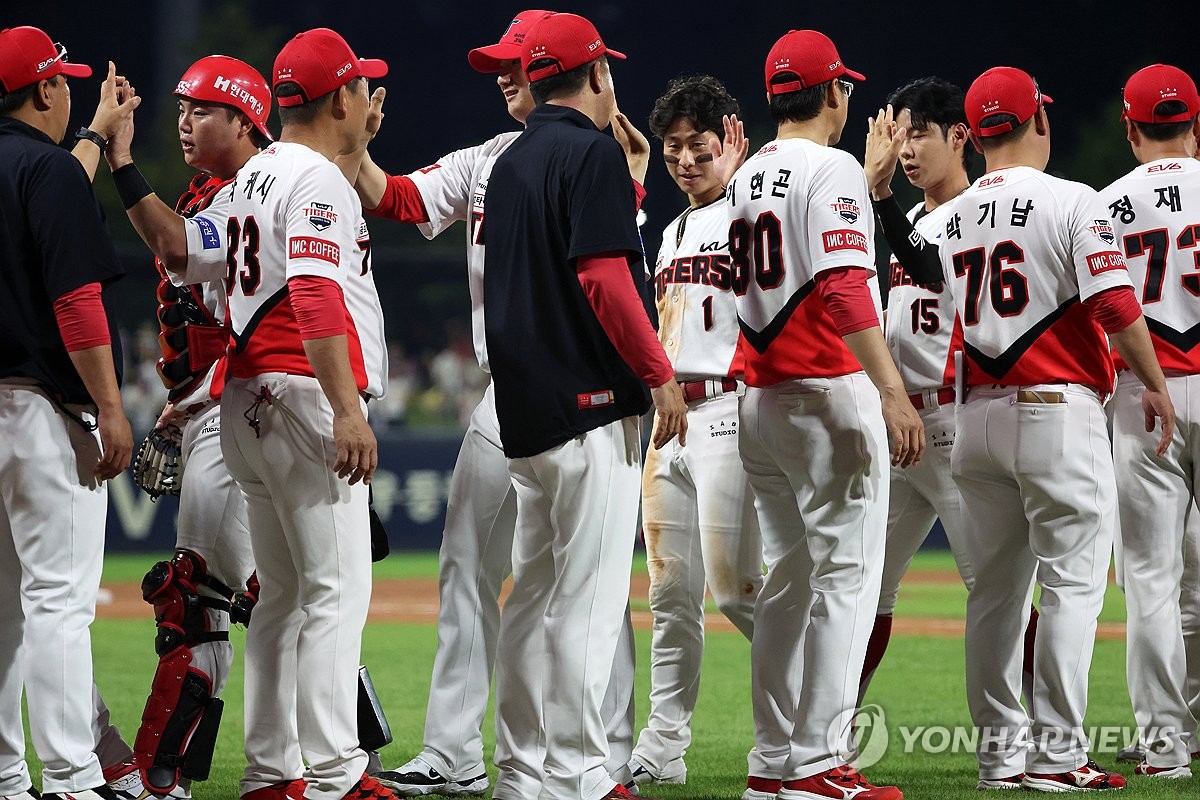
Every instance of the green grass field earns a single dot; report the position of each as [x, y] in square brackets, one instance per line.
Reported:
[919, 684]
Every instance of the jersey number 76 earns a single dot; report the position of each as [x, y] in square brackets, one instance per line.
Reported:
[1008, 288]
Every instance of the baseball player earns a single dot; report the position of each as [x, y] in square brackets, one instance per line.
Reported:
[1037, 282]
[697, 509]
[822, 397]
[63, 430]
[572, 353]
[1151, 211]
[925, 129]
[476, 552]
[308, 352]
[223, 107]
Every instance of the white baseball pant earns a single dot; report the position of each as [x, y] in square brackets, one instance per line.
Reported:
[700, 529]
[51, 554]
[817, 457]
[921, 494]
[310, 533]
[576, 515]
[1038, 496]
[475, 559]
[1155, 495]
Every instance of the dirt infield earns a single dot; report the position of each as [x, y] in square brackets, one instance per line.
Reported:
[416, 600]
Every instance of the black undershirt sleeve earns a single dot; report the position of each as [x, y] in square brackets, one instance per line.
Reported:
[917, 256]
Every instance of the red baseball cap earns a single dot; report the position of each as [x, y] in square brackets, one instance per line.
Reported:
[808, 54]
[1002, 90]
[568, 40]
[1151, 85]
[319, 61]
[27, 56]
[488, 59]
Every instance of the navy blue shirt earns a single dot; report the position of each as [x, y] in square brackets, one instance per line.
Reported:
[52, 241]
[561, 190]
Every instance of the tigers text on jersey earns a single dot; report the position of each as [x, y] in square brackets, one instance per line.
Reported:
[1023, 250]
[292, 213]
[697, 320]
[919, 326]
[796, 209]
[1155, 214]
[453, 189]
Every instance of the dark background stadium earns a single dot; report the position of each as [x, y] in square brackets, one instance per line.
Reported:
[1080, 52]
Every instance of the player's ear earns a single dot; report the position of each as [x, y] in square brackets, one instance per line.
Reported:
[340, 101]
[958, 135]
[1041, 122]
[43, 98]
[1132, 135]
[831, 95]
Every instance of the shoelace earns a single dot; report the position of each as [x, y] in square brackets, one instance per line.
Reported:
[368, 787]
[846, 774]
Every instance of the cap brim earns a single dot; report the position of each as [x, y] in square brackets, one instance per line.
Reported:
[372, 67]
[75, 70]
[615, 54]
[858, 76]
[1046, 99]
[491, 57]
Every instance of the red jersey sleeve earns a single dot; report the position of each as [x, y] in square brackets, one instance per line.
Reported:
[846, 296]
[609, 289]
[81, 318]
[401, 202]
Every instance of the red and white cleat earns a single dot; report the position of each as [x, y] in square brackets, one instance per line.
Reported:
[839, 783]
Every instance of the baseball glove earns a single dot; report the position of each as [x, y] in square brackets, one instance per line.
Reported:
[156, 467]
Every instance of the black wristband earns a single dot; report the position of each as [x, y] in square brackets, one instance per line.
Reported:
[131, 186]
[93, 137]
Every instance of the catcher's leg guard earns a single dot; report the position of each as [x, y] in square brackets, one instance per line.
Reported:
[179, 725]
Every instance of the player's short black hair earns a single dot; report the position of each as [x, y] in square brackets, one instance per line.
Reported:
[932, 101]
[1008, 136]
[306, 112]
[560, 84]
[700, 98]
[1166, 131]
[797, 106]
[15, 99]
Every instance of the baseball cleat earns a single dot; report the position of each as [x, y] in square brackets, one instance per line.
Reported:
[676, 772]
[1088, 778]
[99, 793]
[619, 792]
[1144, 768]
[417, 779]
[368, 788]
[1132, 754]
[1011, 782]
[761, 788]
[126, 783]
[839, 783]
[285, 790]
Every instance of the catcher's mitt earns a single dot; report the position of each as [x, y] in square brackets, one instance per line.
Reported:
[156, 467]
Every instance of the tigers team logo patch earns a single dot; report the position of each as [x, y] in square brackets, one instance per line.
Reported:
[846, 208]
[1103, 231]
[320, 215]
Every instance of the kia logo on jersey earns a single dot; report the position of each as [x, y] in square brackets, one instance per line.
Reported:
[1103, 230]
[320, 215]
[846, 208]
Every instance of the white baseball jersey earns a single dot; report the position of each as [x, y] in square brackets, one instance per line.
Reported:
[919, 326]
[820, 194]
[1155, 213]
[292, 213]
[1023, 250]
[453, 189]
[697, 319]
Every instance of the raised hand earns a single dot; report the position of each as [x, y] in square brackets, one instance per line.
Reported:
[884, 141]
[730, 154]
